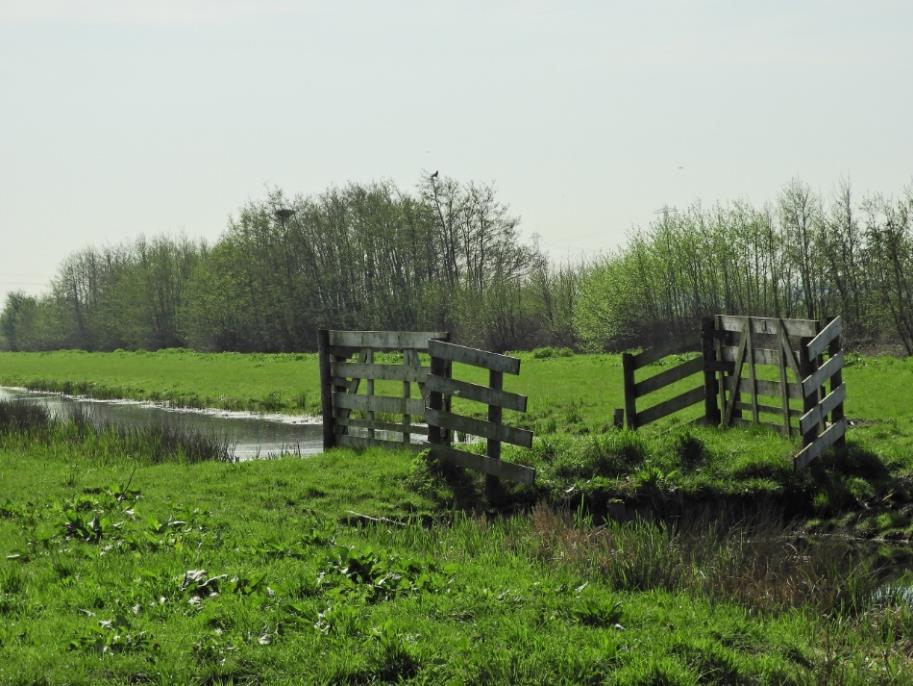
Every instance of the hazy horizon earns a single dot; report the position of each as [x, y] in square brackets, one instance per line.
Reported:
[122, 119]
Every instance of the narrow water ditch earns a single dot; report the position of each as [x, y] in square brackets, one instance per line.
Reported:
[251, 436]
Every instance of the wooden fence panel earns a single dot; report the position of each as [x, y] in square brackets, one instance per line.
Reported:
[819, 434]
[340, 379]
[442, 421]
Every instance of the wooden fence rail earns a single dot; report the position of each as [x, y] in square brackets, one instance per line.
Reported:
[442, 387]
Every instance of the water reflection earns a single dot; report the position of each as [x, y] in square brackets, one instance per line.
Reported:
[250, 436]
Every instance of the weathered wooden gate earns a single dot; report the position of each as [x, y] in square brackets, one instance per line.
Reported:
[441, 420]
[377, 419]
[753, 358]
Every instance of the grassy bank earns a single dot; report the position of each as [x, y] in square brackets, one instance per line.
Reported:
[675, 555]
[346, 568]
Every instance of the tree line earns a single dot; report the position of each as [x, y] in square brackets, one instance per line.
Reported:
[450, 256]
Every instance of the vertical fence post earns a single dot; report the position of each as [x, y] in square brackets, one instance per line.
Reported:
[722, 377]
[806, 367]
[712, 414]
[437, 435]
[836, 382]
[492, 483]
[368, 354]
[627, 365]
[326, 388]
[407, 393]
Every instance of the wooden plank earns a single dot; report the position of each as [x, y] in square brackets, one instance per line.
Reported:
[326, 388]
[668, 376]
[752, 374]
[760, 340]
[493, 446]
[769, 325]
[482, 394]
[767, 356]
[722, 371]
[385, 340]
[712, 414]
[737, 383]
[368, 354]
[627, 366]
[435, 401]
[483, 463]
[473, 356]
[667, 407]
[771, 389]
[822, 341]
[657, 352]
[420, 429]
[791, 356]
[819, 412]
[831, 435]
[817, 378]
[769, 409]
[379, 403]
[363, 442]
[386, 372]
[407, 392]
[479, 427]
[784, 393]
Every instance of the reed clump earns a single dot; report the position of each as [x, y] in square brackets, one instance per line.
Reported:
[31, 424]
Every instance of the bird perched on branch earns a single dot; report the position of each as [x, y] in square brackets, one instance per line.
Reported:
[434, 175]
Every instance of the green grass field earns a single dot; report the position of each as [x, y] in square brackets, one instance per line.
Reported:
[123, 561]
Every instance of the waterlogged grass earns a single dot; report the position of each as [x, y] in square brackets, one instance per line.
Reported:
[338, 570]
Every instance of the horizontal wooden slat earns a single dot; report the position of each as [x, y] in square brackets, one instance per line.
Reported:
[379, 403]
[815, 415]
[389, 372]
[794, 327]
[339, 351]
[482, 394]
[673, 347]
[679, 402]
[475, 357]
[364, 442]
[758, 340]
[384, 340]
[479, 427]
[768, 388]
[820, 342]
[483, 463]
[761, 355]
[420, 429]
[814, 450]
[768, 409]
[668, 376]
[817, 378]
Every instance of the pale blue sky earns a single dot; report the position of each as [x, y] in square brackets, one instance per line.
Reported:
[122, 118]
